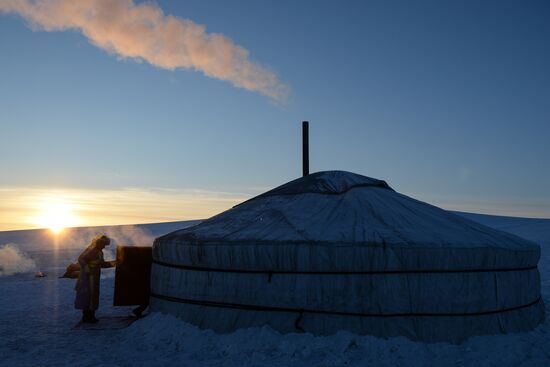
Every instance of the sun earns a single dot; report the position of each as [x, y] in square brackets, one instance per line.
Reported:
[56, 214]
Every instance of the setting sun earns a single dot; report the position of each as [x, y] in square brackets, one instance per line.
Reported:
[56, 215]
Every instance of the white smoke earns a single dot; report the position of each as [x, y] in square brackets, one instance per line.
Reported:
[120, 236]
[13, 261]
[143, 32]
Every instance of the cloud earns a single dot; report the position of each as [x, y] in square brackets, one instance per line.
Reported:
[13, 261]
[144, 32]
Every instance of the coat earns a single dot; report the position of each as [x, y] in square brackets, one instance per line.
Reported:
[87, 287]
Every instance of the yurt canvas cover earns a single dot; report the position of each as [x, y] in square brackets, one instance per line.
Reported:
[340, 251]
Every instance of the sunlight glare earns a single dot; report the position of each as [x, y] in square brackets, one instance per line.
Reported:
[56, 214]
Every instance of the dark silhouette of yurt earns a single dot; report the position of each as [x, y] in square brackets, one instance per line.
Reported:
[339, 251]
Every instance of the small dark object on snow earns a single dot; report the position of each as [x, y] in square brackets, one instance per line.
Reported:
[107, 323]
[138, 311]
[40, 274]
[88, 317]
[73, 270]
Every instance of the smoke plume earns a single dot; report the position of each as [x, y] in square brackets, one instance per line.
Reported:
[144, 32]
[126, 235]
[13, 261]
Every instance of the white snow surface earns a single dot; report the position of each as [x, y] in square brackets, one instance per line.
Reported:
[37, 316]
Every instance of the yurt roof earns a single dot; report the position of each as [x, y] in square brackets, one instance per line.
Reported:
[338, 207]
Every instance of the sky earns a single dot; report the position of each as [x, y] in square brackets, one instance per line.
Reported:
[109, 121]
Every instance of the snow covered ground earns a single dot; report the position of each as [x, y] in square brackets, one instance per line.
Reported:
[37, 316]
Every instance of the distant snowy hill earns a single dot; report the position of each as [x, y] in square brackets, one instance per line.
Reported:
[138, 234]
[534, 229]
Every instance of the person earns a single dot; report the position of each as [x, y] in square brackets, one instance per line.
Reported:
[87, 287]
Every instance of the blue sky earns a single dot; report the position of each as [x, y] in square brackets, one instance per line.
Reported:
[448, 101]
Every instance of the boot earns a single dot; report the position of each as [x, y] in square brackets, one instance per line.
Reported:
[85, 316]
[93, 320]
[88, 317]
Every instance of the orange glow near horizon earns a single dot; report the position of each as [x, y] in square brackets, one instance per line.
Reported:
[58, 208]
[56, 214]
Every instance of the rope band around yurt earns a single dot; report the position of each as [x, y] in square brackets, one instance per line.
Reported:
[270, 273]
[302, 311]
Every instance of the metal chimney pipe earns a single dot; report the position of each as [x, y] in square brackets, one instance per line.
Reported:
[305, 148]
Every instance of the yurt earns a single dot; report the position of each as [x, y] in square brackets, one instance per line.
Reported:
[340, 251]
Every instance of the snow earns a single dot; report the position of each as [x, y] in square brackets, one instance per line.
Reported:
[37, 316]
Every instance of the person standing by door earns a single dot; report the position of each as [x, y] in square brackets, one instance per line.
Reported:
[87, 287]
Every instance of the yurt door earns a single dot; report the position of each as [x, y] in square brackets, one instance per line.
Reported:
[132, 277]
